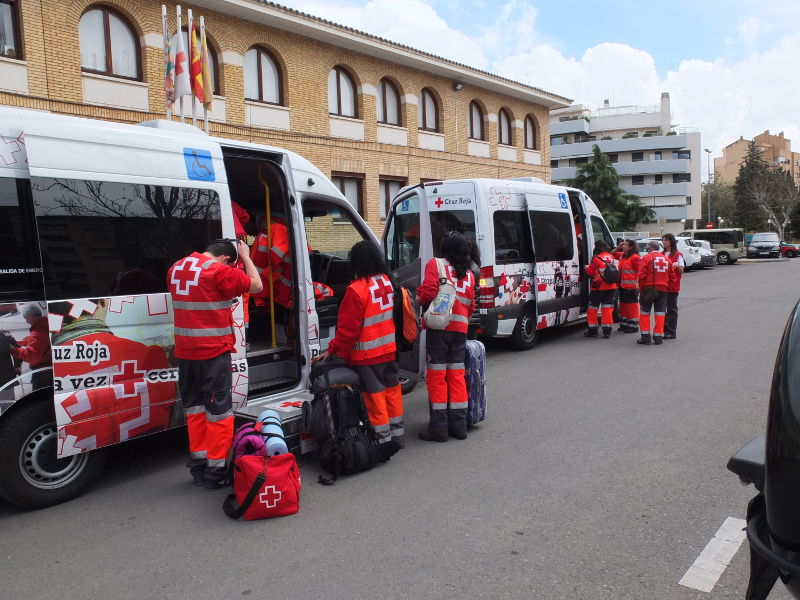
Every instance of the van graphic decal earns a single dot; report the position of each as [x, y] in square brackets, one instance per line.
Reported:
[199, 164]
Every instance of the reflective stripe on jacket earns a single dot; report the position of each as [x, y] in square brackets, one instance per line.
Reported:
[376, 336]
[629, 272]
[654, 270]
[274, 262]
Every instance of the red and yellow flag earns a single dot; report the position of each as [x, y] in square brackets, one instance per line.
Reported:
[205, 58]
[195, 67]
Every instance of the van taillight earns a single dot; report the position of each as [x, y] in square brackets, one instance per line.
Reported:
[486, 287]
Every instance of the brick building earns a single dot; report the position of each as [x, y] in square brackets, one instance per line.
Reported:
[776, 149]
[373, 114]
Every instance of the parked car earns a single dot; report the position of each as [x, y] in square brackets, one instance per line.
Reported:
[728, 244]
[764, 244]
[789, 250]
[707, 256]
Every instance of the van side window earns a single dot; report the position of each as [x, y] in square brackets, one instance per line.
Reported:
[601, 232]
[512, 237]
[20, 265]
[402, 237]
[103, 238]
[553, 235]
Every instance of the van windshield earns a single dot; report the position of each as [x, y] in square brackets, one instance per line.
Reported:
[445, 221]
[765, 237]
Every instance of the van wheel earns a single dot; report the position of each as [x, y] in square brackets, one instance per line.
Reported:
[723, 258]
[407, 385]
[525, 332]
[31, 476]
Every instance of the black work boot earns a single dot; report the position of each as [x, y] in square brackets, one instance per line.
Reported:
[437, 428]
[591, 332]
[645, 339]
[658, 340]
[606, 332]
[457, 423]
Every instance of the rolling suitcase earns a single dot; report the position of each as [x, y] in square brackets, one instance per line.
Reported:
[475, 375]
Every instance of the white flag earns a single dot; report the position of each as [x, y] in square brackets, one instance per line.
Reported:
[181, 62]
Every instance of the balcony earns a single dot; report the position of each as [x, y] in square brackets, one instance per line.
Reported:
[641, 144]
[650, 190]
[652, 167]
[562, 173]
[571, 126]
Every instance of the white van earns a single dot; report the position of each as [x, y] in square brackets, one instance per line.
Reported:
[94, 213]
[534, 240]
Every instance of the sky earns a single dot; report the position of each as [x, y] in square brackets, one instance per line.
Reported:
[731, 67]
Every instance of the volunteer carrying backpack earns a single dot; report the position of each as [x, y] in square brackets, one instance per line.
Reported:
[440, 310]
[611, 273]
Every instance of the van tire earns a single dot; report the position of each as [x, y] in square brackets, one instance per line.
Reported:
[525, 333]
[407, 385]
[723, 258]
[28, 442]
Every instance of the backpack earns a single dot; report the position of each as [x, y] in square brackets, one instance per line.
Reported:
[337, 418]
[406, 319]
[611, 273]
[440, 311]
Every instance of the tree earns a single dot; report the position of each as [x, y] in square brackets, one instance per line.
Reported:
[782, 199]
[723, 203]
[751, 189]
[600, 181]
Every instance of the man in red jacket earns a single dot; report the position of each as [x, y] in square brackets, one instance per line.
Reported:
[653, 282]
[602, 294]
[202, 287]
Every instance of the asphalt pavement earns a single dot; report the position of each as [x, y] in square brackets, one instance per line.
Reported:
[598, 474]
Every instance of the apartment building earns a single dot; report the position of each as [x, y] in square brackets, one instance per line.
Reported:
[777, 151]
[654, 161]
[373, 114]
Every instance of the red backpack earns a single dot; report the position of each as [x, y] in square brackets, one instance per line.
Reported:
[264, 487]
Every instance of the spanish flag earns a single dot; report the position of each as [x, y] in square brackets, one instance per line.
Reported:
[196, 74]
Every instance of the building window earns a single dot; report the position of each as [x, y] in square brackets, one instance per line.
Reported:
[108, 44]
[656, 156]
[637, 156]
[10, 40]
[614, 158]
[688, 200]
[389, 188]
[476, 128]
[554, 164]
[578, 161]
[681, 177]
[659, 179]
[504, 128]
[637, 180]
[388, 103]
[213, 65]
[428, 111]
[681, 154]
[630, 134]
[351, 185]
[262, 77]
[341, 93]
[530, 133]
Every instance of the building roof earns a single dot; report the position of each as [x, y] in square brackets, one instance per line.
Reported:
[300, 23]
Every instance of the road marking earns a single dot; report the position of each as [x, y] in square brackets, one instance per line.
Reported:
[713, 560]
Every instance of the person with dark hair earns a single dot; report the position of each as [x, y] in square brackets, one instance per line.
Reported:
[653, 282]
[202, 287]
[446, 349]
[602, 294]
[627, 253]
[365, 337]
[675, 274]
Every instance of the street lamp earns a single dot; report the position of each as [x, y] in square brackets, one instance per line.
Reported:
[708, 185]
[769, 224]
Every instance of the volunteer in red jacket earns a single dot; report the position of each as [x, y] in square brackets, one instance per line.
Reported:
[273, 258]
[365, 338]
[446, 348]
[653, 282]
[676, 273]
[627, 253]
[202, 287]
[602, 294]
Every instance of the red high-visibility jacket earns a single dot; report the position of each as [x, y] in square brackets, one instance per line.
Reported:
[365, 328]
[34, 349]
[202, 289]
[465, 293]
[675, 259]
[654, 270]
[595, 271]
[274, 262]
[629, 271]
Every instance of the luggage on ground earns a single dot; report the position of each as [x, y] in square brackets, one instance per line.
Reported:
[269, 425]
[475, 376]
[264, 487]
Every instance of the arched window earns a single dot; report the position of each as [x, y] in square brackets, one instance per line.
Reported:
[530, 133]
[504, 128]
[341, 93]
[388, 103]
[476, 129]
[108, 44]
[262, 77]
[428, 111]
[213, 65]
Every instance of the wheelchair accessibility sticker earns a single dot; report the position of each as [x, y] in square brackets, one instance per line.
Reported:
[199, 164]
[563, 198]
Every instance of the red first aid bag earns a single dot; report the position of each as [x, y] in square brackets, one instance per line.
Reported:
[264, 487]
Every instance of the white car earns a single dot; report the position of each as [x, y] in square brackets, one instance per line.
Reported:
[708, 257]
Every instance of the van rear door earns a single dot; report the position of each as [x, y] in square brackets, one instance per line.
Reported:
[115, 206]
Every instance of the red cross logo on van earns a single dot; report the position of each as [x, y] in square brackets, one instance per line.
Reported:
[439, 203]
[185, 275]
[127, 377]
[382, 292]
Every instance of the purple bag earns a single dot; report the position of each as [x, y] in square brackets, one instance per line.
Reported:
[247, 440]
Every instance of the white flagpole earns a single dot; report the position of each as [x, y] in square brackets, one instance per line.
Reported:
[165, 34]
[203, 37]
[190, 56]
[179, 32]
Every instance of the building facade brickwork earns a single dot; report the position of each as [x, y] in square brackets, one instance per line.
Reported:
[776, 150]
[48, 58]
